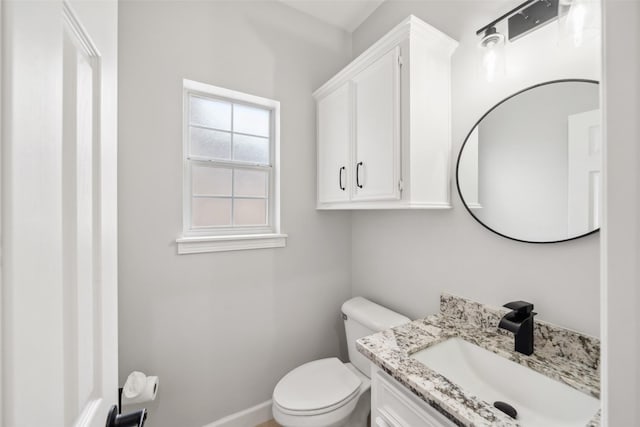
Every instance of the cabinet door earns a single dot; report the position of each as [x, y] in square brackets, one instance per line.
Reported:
[377, 134]
[334, 135]
[394, 405]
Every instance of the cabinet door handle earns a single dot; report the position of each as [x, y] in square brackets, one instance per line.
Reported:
[342, 187]
[358, 174]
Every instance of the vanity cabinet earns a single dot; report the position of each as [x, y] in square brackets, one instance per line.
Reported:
[383, 124]
[393, 405]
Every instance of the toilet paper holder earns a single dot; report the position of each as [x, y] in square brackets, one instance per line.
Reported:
[138, 388]
[133, 419]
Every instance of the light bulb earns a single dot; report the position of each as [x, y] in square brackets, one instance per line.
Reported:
[578, 19]
[489, 63]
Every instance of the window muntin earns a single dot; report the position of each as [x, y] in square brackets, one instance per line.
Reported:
[229, 164]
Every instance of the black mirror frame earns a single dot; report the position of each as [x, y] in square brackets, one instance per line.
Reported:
[465, 143]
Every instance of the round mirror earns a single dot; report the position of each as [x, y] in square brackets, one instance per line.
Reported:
[529, 170]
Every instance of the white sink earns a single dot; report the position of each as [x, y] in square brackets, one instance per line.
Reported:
[539, 400]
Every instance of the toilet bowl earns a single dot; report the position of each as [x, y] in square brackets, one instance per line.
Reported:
[322, 393]
[328, 392]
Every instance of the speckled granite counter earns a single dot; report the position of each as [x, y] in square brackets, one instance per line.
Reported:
[561, 354]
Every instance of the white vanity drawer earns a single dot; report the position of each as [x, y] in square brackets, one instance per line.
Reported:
[395, 406]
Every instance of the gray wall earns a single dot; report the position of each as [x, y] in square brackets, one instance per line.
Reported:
[621, 233]
[405, 259]
[221, 328]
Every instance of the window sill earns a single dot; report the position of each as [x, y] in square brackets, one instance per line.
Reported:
[202, 244]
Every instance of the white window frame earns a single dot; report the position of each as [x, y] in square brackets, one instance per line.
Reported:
[217, 239]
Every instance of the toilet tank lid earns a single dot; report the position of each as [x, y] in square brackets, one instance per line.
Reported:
[371, 315]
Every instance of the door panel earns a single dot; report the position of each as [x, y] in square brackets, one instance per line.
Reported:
[80, 228]
[377, 134]
[334, 137]
[59, 345]
[585, 164]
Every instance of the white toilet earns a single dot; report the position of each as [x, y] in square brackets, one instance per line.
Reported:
[327, 392]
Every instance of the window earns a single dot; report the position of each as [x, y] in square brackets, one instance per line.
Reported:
[231, 175]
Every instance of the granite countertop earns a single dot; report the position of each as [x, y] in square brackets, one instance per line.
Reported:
[561, 354]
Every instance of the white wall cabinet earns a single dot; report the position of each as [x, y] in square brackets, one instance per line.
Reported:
[393, 405]
[383, 124]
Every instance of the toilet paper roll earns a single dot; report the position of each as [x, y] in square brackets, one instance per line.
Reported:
[140, 389]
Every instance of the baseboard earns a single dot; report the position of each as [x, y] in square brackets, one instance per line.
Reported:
[249, 417]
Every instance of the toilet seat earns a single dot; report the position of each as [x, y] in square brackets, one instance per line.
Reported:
[316, 388]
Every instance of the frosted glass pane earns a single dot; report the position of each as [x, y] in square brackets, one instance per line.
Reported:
[210, 143]
[210, 113]
[251, 120]
[210, 181]
[249, 211]
[210, 212]
[251, 149]
[250, 183]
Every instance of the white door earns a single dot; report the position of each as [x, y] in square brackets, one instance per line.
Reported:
[334, 141]
[59, 270]
[377, 134]
[585, 164]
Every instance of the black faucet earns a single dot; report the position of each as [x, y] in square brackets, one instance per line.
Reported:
[520, 322]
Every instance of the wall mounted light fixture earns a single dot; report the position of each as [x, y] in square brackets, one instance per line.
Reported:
[521, 20]
[526, 17]
[577, 20]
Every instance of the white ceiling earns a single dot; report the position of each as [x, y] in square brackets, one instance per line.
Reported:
[345, 14]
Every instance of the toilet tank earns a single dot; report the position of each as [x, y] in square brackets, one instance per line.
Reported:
[361, 318]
